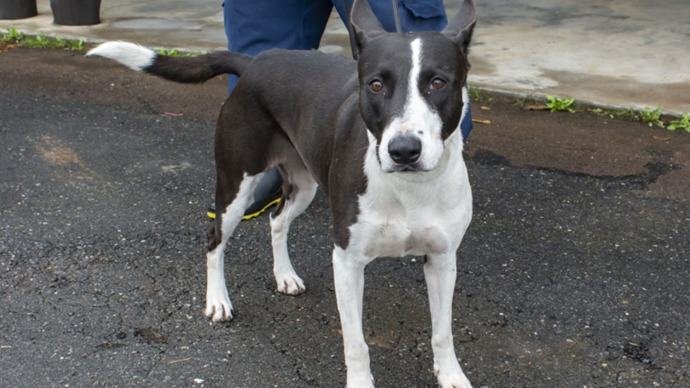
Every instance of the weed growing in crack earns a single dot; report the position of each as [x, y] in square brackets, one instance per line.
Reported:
[652, 117]
[555, 104]
[682, 123]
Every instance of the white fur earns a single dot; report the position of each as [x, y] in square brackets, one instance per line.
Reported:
[418, 120]
[132, 55]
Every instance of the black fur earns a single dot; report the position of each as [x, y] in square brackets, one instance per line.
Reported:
[200, 68]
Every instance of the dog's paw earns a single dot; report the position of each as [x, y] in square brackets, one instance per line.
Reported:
[290, 284]
[219, 308]
[455, 384]
[360, 380]
[454, 379]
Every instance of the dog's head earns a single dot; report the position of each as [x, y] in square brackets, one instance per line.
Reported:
[411, 87]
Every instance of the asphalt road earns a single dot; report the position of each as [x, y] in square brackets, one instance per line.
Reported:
[566, 279]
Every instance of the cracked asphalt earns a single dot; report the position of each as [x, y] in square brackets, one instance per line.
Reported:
[574, 272]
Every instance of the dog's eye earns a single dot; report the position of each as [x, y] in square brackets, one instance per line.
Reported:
[376, 86]
[437, 84]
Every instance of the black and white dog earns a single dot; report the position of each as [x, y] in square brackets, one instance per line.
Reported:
[381, 138]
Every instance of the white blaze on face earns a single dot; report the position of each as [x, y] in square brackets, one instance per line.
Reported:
[418, 119]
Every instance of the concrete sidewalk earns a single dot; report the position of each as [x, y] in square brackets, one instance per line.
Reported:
[632, 53]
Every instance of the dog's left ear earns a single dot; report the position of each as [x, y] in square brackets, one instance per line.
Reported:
[363, 24]
[460, 28]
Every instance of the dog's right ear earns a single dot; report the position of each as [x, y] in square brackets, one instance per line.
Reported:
[364, 25]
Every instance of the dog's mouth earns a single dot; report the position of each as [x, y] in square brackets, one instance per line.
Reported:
[406, 168]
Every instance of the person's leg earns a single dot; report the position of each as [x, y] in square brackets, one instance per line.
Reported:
[422, 15]
[259, 25]
[415, 15]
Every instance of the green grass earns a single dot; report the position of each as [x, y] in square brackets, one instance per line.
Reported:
[12, 36]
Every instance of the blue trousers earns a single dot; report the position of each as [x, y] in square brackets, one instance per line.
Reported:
[253, 26]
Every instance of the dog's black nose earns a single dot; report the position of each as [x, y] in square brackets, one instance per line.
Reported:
[405, 149]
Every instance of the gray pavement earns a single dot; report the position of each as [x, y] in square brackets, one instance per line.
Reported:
[631, 53]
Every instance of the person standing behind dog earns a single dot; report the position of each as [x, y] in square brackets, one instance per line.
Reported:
[258, 25]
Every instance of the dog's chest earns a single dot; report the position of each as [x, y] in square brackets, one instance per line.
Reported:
[401, 218]
[400, 237]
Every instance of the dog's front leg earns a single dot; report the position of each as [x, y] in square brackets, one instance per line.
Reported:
[440, 273]
[348, 274]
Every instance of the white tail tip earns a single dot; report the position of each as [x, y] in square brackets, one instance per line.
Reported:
[132, 55]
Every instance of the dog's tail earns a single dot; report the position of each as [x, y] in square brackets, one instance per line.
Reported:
[193, 69]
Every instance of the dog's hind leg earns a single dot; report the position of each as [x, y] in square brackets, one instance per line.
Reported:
[231, 205]
[299, 189]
